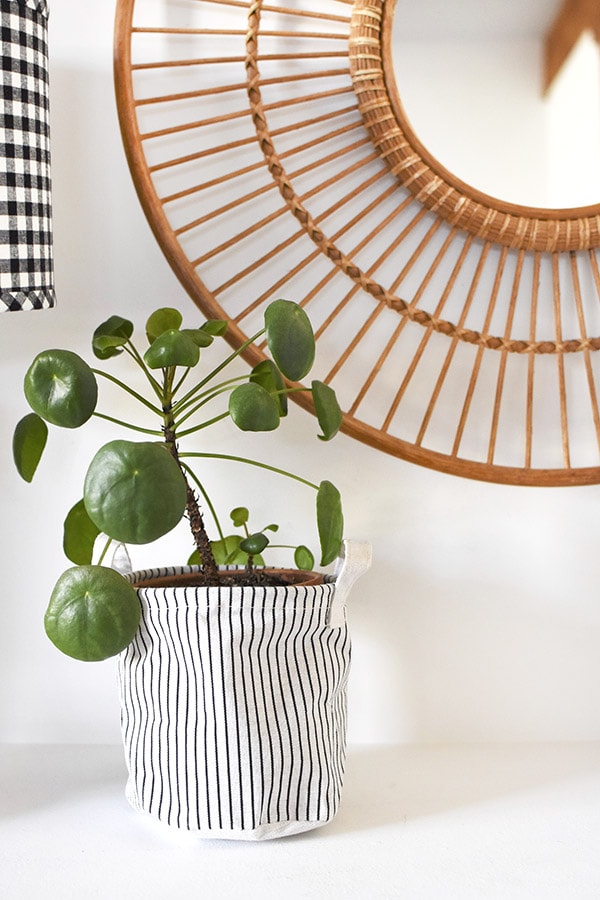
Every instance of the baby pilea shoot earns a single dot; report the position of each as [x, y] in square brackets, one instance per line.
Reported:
[136, 491]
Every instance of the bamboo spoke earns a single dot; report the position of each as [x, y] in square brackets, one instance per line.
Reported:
[269, 219]
[353, 344]
[284, 10]
[535, 289]
[291, 273]
[243, 113]
[398, 330]
[188, 192]
[564, 422]
[586, 353]
[478, 360]
[393, 246]
[252, 195]
[238, 32]
[236, 60]
[450, 354]
[244, 142]
[503, 358]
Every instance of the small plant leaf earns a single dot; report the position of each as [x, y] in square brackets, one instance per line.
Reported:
[268, 376]
[239, 516]
[200, 337]
[110, 337]
[216, 327]
[227, 552]
[252, 408]
[29, 441]
[79, 535]
[327, 408]
[164, 319]
[304, 559]
[330, 521]
[290, 338]
[61, 388]
[254, 543]
[134, 492]
[172, 348]
[93, 613]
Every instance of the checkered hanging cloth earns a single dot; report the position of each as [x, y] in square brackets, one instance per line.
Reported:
[26, 263]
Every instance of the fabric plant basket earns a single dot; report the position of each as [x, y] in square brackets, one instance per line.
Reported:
[233, 703]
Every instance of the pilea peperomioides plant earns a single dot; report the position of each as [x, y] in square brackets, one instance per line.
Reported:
[136, 491]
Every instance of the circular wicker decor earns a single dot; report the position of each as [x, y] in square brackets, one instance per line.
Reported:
[272, 157]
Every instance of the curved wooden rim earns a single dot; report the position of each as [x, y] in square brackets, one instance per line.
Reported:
[519, 227]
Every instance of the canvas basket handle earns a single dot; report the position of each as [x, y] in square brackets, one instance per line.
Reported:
[353, 562]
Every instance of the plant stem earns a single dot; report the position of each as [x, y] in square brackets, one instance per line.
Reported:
[206, 424]
[220, 367]
[153, 431]
[199, 533]
[127, 390]
[250, 462]
[207, 499]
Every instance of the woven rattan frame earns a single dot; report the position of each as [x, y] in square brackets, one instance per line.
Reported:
[442, 280]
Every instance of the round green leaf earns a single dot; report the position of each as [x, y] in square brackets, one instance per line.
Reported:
[134, 492]
[93, 613]
[79, 535]
[252, 408]
[172, 348]
[290, 338]
[268, 376]
[327, 408]
[164, 319]
[239, 516]
[304, 559]
[254, 543]
[29, 441]
[61, 388]
[110, 337]
[330, 521]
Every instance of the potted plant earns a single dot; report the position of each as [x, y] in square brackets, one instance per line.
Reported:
[232, 675]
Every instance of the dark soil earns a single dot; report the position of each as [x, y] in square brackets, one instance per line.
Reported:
[243, 578]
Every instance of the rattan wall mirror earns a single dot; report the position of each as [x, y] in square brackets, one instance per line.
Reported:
[272, 156]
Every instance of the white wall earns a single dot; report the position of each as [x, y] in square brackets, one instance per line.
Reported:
[480, 619]
[477, 105]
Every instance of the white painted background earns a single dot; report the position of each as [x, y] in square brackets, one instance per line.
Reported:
[480, 620]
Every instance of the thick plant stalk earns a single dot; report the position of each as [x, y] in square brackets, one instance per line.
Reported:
[209, 566]
[199, 533]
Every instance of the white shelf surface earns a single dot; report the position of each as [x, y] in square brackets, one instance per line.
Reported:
[416, 822]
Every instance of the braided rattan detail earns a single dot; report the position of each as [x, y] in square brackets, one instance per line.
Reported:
[413, 173]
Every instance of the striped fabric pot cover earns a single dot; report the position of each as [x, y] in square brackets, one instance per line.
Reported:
[233, 704]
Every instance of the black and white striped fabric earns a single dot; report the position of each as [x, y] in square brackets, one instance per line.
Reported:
[234, 707]
[26, 259]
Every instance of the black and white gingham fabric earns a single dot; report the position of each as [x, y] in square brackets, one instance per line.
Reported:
[234, 708]
[26, 261]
